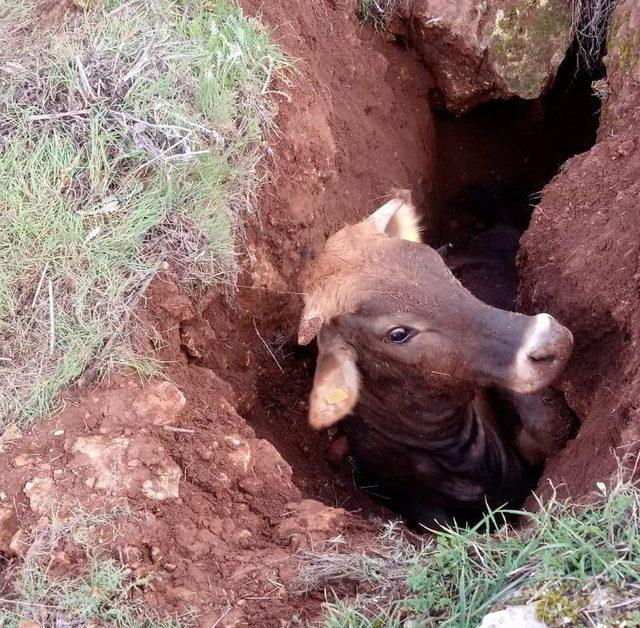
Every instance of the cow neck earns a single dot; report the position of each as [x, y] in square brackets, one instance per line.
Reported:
[412, 413]
[456, 425]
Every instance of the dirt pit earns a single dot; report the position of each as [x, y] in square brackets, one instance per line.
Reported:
[229, 478]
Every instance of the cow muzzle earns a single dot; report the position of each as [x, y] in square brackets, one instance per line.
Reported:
[545, 349]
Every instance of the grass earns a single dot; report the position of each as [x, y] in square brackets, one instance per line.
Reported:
[578, 562]
[99, 590]
[131, 138]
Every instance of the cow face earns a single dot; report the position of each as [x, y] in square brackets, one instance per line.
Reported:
[379, 300]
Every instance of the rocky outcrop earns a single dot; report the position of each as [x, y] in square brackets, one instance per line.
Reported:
[480, 50]
[580, 260]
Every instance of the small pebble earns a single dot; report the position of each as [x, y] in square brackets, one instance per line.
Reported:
[58, 433]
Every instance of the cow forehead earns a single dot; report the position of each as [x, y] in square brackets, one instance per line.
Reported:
[374, 275]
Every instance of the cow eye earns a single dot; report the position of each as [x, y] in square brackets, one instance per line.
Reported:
[398, 335]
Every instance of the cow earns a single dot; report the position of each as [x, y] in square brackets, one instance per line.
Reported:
[445, 400]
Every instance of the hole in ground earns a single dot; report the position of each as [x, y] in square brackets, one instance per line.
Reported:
[493, 163]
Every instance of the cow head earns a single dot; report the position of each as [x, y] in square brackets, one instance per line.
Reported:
[377, 296]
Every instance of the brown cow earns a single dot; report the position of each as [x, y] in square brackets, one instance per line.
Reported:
[446, 398]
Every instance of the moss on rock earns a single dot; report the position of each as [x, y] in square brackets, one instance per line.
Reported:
[526, 39]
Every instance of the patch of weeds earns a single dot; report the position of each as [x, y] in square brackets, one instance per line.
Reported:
[131, 138]
[578, 562]
[99, 590]
[378, 12]
[559, 606]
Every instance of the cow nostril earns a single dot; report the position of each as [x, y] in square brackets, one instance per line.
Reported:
[543, 354]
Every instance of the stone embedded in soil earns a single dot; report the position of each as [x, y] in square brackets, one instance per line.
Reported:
[483, 50]
[160, 404]
[8, 527]
[309, 522]
[137, 465]
[26, 623]
[240, 454]
[263, 273]
[23, 460]
[165, 486]
[41, 494]
[178, 306]
[513, 617]
[19, 544]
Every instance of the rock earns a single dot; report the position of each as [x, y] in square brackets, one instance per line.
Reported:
[24, 460]
[121, 465]
[479, 50]
[179, 307]
[161, 403]
[251, 485]
[131, 555]
[166, 485]
[263, 273]
[27, 623]
[623, 64]
[19, 544]
[41, 494]
[106, 458]
[513, 617]
[240, 454]
[8, 527]
[309, 522]
[11, 433]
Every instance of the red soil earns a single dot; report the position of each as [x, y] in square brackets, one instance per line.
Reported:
[354, 124]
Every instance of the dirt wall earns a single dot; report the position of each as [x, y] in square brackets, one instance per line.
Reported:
[580, 260]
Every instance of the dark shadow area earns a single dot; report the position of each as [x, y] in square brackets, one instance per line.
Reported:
[494, 161]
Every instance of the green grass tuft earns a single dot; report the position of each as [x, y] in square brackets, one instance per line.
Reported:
[565, 557]
[130, 139]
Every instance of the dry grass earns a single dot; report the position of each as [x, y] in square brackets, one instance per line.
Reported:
[591, 20]
[99, 590]
[131, 138]
[379, 12]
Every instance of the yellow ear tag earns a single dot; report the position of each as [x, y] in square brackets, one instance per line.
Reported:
[338, 395]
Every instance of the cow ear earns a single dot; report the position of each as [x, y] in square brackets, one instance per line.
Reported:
[336, 383]
[398, 218]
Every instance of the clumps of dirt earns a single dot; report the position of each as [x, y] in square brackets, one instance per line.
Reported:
[222, 518]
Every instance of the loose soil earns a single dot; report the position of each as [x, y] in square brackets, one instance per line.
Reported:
[355, 121]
